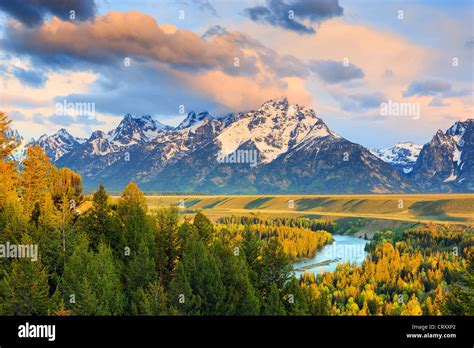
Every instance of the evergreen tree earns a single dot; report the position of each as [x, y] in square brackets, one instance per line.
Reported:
[295, 299]
[251, 246]
[138, 242]
[151, 301]
[272, 304]
[199, 271]
[167, 244]
[99, 223]
[138, 273]
[460, 297]
[240, 296]
[181, 298]
[186, 229]
[204, 227]
[24, 290]
[92, 281]
[274, 267]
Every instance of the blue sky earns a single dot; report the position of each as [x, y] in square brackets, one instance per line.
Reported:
[342, 58]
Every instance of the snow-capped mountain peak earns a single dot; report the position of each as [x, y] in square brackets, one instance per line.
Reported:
[273, 129]
[402, 155]
[295, 152]
[457, 131]
[97, 135]
[281, 102]
[14, 134]
[19, 152]
[132, 130]
[58, 144]
[194, 120]
[448, 158]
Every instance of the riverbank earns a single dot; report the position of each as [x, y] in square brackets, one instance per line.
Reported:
[324, 263]
[343, 249]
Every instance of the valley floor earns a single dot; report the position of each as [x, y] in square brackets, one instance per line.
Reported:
[363, 213]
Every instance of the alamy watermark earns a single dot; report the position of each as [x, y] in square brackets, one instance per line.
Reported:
[29, 251]
[393, 108]
[354, 252]
[75, 109]
[239, 156]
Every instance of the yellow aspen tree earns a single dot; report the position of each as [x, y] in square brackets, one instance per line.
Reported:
[36, 177]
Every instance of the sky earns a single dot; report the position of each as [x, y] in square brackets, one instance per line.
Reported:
[376, 72]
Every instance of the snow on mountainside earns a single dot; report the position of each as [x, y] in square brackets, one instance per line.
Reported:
[402, 155]
[273, 129]
[193, 120]
[132, 130]
[17, 154]
[278, 148]
[446, 163]
[293, 151]
[58, 144]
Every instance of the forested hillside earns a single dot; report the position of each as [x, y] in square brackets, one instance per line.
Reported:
[123, 259]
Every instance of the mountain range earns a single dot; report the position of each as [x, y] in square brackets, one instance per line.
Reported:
[278, 148]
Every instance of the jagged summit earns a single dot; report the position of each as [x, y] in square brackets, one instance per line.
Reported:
[136, 130]
[97, 135]
[448, 159]
[281, 101]
[273, 129]
[193, 119]
[57, 144]
[294, 151]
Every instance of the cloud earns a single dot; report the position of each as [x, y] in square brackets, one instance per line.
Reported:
[88, 121]
[246, 93]
[426, 88]
[32, 12]
[457, 93]
[434, 88]
[30, 77]
[205, 6]
[142, 89]
[16, 116]
[213, 31]
[437, 102]
[388, 73]
[360, 101]
[469, 43]
[68, 120]
[335, 72]
[279, 65]
[38, 118]
[288, 15]
[21, 101]
[62, 120]
[169, 67]
[112, 38]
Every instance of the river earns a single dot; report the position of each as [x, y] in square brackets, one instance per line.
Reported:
[343, 249]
